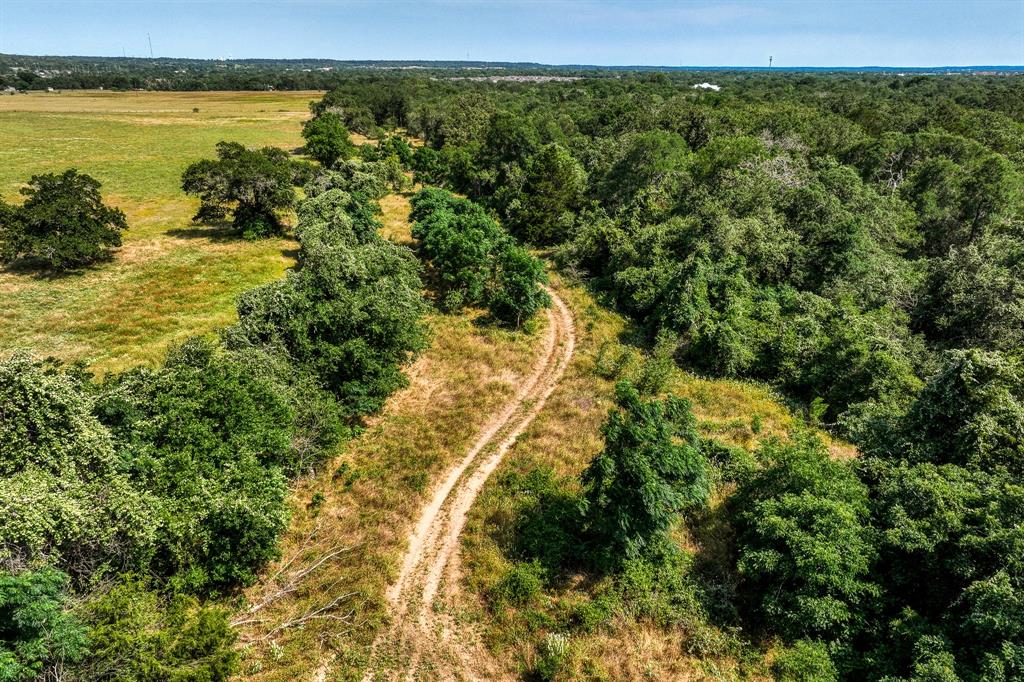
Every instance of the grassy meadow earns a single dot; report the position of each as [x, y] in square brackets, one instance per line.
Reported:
[171, 279]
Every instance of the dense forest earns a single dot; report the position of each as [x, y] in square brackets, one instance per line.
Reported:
[857, 242]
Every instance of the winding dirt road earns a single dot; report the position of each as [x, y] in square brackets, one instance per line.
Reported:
[420, 642]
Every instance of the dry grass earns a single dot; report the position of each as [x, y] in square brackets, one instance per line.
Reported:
[171, 279]
[371, 494]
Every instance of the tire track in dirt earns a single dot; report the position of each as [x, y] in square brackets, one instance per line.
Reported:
[430, 563]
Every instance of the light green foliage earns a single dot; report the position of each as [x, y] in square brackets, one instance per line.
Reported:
[65, 493]
[62, 224]
[970, 413]
[650, 470]
[137, 635]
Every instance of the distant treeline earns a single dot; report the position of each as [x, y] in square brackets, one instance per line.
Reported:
[26, 72]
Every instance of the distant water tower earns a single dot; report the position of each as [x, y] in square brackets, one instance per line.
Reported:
[770, 62]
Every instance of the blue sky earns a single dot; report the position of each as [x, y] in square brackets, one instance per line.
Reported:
[795, 32]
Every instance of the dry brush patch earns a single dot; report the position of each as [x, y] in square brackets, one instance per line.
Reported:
[364, 503]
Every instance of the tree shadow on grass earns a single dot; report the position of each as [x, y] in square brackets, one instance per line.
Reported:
[221, 231]
[39, 270]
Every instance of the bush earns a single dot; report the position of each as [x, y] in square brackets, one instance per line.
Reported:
[649, 471]
[520, 586]
[37, 633]
[805, 661]
[208, 433]
[135, 634]
[62, 224]
[350, 316]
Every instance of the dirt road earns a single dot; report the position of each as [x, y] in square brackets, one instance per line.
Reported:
[422, 643]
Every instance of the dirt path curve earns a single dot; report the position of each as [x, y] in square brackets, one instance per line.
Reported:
[419, 644]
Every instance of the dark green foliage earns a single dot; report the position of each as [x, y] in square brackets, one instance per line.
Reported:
[476, 261]
[971, 413]
[650, 470]
[327, 138]
[62, 224]
[805, 550]
[349, 316]
[514, 292]
[458, 238]
[208, 434]
[252, 183]
[135, 634]
[851, 239]
[428, 167]
[394, 145]
[520, 586]
[548, 523]
[554, 187]
[37, 633]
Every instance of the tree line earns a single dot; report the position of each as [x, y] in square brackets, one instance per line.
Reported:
[127, 502]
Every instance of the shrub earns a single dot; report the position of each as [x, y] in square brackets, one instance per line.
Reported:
[36, 631]
[476, 261]
[62, 224]
[519, 586]
[649, 471]
[804, 661]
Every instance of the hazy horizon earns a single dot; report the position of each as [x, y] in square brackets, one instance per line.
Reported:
[809, 34]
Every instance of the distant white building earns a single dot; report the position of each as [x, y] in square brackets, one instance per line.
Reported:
[707, 86]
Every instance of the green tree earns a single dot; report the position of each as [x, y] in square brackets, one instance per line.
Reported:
[256, 182]
[516, 288]
[804, 546]
[650, 470]
[327, 138]
[62, 224]
[553, 191]
[36, 629]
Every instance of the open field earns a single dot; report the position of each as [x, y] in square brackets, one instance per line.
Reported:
[171, 279]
